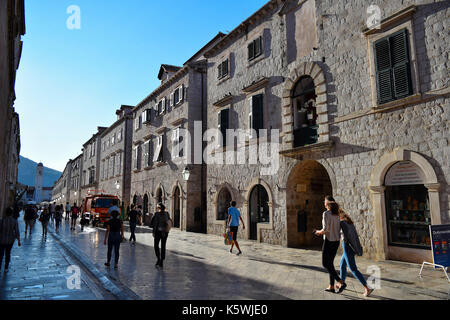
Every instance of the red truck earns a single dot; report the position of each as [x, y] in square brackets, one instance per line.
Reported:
[97, 206]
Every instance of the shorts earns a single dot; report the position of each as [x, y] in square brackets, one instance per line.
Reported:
[235, 231]
[74, 217]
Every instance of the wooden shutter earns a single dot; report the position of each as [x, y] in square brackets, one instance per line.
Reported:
[181, 92]
[135, 153]
[144, 116]
[225, 68]
[250, 116]
[224, 124]
[158, 149]
[258, 46]
[400, 64]
[251, 50]
[383, 70]
[219, 127]
[172, 102]
[175, 137]
[163, 107]
[219, 71]
[146, 154]
[257, 112]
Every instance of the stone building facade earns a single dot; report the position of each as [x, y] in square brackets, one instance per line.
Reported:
[91, 164]
[61, 189]
[115, 156]
[75, 181]
[362, 112]
[12, 27]
[164, 125]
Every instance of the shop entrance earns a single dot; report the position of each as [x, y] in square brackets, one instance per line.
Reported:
[259, 209]
[307, 186]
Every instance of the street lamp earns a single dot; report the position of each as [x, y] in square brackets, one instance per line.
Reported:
[186, 174]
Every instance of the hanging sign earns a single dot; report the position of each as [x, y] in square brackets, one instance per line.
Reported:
[404, 173]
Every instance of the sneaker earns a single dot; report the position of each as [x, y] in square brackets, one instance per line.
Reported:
[157, 263]
[161, 263]
[239, 253]
[107, 264]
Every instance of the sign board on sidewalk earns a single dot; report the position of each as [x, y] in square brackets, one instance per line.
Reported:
[440, 239]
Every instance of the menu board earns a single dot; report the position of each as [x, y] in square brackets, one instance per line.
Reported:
[404, 173]
[440, 239]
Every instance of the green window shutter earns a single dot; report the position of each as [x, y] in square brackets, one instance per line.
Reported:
[224, 124]
[401, 64]
[257, 112]
[219, 71]
[251, 50]
[225, 67]
[383, 70]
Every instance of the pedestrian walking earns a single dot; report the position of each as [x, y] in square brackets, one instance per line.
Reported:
[134, 216]
[331, 234]
[350, 246]
[29, 218]
[161, 224]
[75, 212]
[52, 210]
[44, 219]
[68, 210]
[9, 232]
[58, 216]
[114, 236]
[234, 215]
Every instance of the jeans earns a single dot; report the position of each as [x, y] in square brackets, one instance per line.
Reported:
[329, 251]
[160, 236]
[348, 259]
[132, 230]
[5, 249]
[44, 228]
[114, 240]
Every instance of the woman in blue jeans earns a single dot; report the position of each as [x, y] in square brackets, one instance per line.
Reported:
[350, 246]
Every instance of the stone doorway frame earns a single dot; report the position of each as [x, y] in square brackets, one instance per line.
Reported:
[313, 70]
[172, 204]
[377, 188]
[246, 208]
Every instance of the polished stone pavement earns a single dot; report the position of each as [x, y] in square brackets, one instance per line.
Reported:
[39, 271]
[200, 267]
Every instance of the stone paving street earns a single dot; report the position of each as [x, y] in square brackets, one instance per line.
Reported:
[38, 271]
[199, 267]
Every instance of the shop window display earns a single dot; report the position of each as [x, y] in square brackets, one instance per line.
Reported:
[407, 207]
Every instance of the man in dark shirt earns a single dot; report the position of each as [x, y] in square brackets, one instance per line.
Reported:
[134, 216]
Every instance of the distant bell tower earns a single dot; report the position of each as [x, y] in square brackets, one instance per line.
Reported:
[38, 182]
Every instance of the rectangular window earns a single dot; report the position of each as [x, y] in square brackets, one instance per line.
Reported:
[135, 158]
[147, 116]
[119, 135]
[255, 48]
[113, 139]
[91, 176]
[162, 106]
[223, 69]
[146, 152]
[392, 65]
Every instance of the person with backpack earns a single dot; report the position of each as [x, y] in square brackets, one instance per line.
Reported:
[75, 212]
[134, 217]
[234, 215]
[161, 224]
[113, 236]
[44, 219]
[9, 232]
[30, 219]
[350, 247]
[58, 216]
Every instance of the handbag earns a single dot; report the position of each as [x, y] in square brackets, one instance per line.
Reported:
[228, 235]
[169, 225]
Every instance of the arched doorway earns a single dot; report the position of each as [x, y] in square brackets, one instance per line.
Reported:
[305, 113]
[145, 205]
[306, 188]
[223, 203]
[176, 207]
[258, 208]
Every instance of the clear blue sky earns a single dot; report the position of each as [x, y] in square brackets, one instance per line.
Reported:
[71, 81]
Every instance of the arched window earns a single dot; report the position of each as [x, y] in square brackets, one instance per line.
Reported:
[223, 203]
[305, 113]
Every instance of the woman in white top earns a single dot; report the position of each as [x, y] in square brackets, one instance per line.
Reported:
[331, 235]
